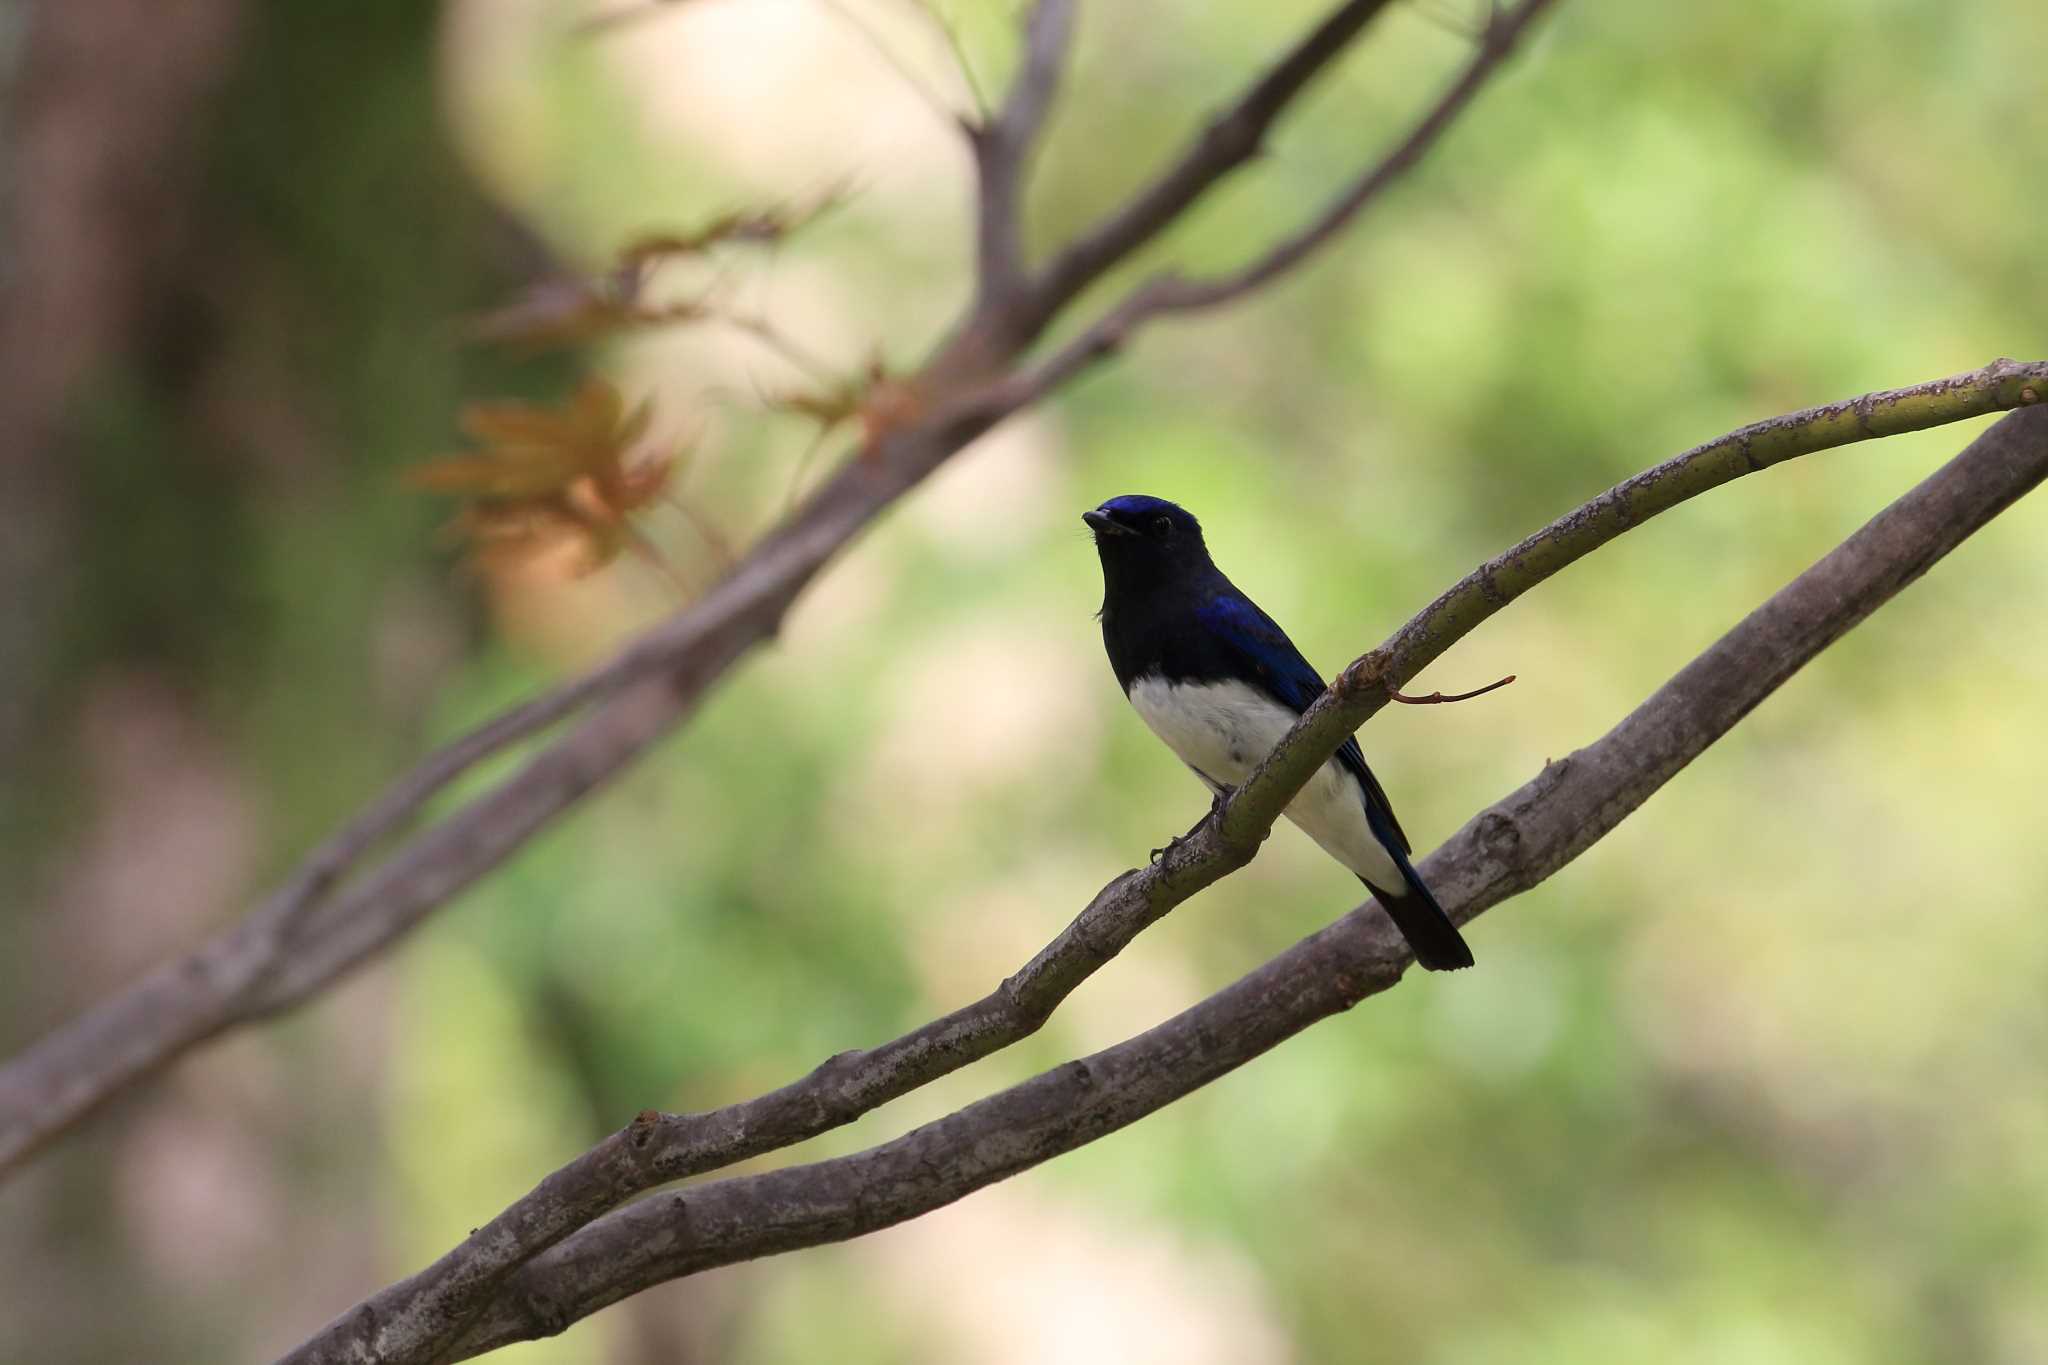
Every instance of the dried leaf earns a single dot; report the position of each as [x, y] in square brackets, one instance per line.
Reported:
[881, 402]
[544, 477]
[574, 311]
[562, 312]
[750, 227]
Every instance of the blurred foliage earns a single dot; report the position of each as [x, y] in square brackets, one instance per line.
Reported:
[547, 479]
[1758, 1079]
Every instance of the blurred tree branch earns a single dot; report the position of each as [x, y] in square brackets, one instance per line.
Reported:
[320, 923]
[1227, 143]
[1503, 851]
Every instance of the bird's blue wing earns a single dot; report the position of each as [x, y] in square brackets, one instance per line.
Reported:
[1260, 652]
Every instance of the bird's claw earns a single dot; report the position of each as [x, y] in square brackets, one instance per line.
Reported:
[1215, 808]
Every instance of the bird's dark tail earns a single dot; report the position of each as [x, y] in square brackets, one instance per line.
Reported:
[1438, 945]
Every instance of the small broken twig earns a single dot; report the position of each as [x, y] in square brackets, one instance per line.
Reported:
[1437, 698]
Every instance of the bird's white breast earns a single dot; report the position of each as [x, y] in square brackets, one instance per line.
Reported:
[1223, 729]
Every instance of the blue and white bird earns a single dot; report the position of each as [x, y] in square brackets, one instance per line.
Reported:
[1221, 683]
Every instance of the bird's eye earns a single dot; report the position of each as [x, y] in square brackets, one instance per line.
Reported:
[1163, 525]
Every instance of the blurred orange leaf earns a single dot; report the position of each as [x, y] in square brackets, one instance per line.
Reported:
[572, 311]
[754, 227]
[881, 402]
[544, 478]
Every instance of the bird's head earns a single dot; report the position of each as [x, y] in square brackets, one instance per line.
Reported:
[1146, 536]
[1135, 524]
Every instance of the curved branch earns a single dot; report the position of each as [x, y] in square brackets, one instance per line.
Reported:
[1506, 849]
[1173, 293]
[1228, 141]
[1503, 30]
[658, 1148]
[1361, 690]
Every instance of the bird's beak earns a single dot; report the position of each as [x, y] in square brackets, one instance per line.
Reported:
[1103, 524]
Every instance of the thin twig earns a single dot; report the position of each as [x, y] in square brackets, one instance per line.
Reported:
[803, 467]
[959, 50]
[780, 342]
[651, 555]
[1173, 293]
[1439, 698]
[1503, 32]
[929, 97]
[1227, 142]
[707, 530]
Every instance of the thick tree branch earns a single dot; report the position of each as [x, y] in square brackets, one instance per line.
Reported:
[318, 926]
[1503, 851]
[658, 1148]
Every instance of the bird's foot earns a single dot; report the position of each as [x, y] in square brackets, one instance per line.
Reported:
[1215, 806]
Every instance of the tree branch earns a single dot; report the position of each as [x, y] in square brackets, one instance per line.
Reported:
[1228, 141]
[1358, 693]
[1174, 293]
[1506, 849]
[1002, 145]
[658, 1148]
[319, 925]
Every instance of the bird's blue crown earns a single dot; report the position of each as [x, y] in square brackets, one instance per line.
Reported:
[1135, 507]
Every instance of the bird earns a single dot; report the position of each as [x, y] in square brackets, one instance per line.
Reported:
[1216, 679]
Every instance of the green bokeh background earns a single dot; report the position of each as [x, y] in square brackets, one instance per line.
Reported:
[1757, 1079]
